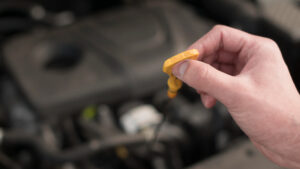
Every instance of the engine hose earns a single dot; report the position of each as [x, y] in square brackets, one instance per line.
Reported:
[17, 138]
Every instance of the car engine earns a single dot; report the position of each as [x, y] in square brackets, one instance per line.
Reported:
[82, 83]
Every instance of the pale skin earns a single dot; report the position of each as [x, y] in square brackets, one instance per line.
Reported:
[248, 75]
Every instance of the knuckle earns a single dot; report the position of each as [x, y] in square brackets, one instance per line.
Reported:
[268, 45]
[268, 41]
[218, 28]
[271, 42]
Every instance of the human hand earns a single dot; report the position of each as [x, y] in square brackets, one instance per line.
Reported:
[248, 75]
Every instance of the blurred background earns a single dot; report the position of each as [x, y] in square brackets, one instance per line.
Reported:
[81, 83]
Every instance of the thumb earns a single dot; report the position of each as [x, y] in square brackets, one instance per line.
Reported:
[205, 78]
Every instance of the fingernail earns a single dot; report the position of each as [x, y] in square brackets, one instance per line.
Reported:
[180, 69]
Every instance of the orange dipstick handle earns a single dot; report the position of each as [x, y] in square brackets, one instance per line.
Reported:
[175, 84]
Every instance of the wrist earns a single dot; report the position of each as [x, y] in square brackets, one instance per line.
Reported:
[277, 158]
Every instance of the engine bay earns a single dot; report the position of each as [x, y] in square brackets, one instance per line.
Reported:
[82, 83]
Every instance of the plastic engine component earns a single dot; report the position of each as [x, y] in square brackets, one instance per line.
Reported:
[174, 83]
[104, 59]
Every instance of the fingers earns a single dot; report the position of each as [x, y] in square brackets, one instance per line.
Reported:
[203, 77]
[222, 37]
[220, 56]
[207, 100]
[223, 52]
[226, 57]
[226, 68]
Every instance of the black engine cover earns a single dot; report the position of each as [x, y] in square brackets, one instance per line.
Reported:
[106, 58]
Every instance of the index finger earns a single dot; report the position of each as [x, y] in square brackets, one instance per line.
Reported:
[223, 38]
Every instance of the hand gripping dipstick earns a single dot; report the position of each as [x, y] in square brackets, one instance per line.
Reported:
[174, 84]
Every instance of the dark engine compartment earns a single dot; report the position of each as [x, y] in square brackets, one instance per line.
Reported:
[82, 86]
[105, 58]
